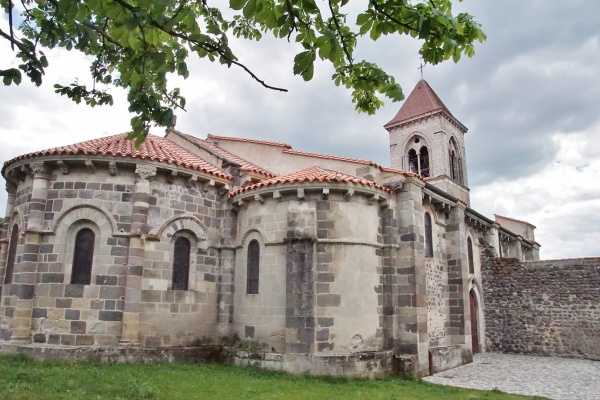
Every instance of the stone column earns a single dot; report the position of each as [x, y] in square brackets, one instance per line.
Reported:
[458, 277]
[492, 239]
[389, 233]
[519, 248]
[11, 191]
[226, 285]
[225, 292]
[130, 335]
[300, 296]
[25, 272]
[410, 331]
[300, 278]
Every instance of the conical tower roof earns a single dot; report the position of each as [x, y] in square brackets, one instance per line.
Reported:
[421, 101]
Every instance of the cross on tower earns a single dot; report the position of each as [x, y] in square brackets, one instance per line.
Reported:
[421, 66]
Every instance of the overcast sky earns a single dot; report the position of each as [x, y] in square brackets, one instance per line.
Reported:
[530, 98]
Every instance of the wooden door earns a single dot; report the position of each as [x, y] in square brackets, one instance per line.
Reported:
[474, 327]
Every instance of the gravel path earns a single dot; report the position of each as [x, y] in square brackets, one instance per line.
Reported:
[552, 377]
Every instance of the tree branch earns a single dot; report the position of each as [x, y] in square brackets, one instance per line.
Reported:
[19, 45]
[339, 30]
[10, 24]
[379, 10]
[206, 46]
[102, 33]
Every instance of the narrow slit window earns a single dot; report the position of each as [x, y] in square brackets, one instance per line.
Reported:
[181, 264]
[470, 255]
[428, 236]
[83, 257]
[12, 253]
[253, 267]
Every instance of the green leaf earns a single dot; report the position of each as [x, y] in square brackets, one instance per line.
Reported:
[250, 9]
[237, 4]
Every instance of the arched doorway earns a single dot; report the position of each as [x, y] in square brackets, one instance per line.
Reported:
[474, 322]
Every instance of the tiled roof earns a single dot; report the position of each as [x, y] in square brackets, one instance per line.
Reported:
[311, 174]
[278, 144]
[154, 148]
[222, 153]
[422, 100]
[331, 157]
[402, 172]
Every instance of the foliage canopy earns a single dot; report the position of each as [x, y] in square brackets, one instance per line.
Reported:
[139, 44]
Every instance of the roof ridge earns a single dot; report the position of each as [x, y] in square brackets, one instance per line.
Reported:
[332, 157]
[515, 220]
[256, 141]
[244, 164]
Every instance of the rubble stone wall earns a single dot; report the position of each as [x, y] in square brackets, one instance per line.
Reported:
[543, 307]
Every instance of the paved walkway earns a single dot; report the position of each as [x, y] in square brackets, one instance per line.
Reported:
[551, 377]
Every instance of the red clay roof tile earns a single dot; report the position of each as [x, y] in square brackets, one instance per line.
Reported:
[311, 174]
[154, 148]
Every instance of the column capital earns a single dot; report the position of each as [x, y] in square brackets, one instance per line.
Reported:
[144, 172]
[39, 170]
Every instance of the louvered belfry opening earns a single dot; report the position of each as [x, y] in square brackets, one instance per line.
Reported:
[83, 257]
[181, 264]
[12, 253]
[253, 267]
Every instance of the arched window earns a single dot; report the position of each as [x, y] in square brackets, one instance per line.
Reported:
[470, 255]
[413, 161]
[83, 257]
[428, 236]
[455, 162]
[12, 253]
[424, 162]
[253, 267]
[181, 264]
[453, 171]
[419, 163]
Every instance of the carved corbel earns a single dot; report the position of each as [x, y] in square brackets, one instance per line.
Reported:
[172, 176]
[112, 168]
[64, 168]
[192, 181]
[373, 199]
[300, 193]
[89, 164]
[207, 185]
[325, 193]
[349, 193]
[259, 198]
[277, 195]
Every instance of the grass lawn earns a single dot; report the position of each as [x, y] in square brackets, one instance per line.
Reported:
[24, 379]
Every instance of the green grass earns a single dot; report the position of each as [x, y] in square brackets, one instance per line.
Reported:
[24, 379]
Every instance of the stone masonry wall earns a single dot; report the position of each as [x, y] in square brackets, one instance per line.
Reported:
[544, 307]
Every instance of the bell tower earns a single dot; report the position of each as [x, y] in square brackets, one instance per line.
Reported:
[427, 139]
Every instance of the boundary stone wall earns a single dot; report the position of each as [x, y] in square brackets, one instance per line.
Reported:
[549, 308]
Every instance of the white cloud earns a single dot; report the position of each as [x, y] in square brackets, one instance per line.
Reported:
[530, 98]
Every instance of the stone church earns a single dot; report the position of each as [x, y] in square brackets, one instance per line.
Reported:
[262, 253]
